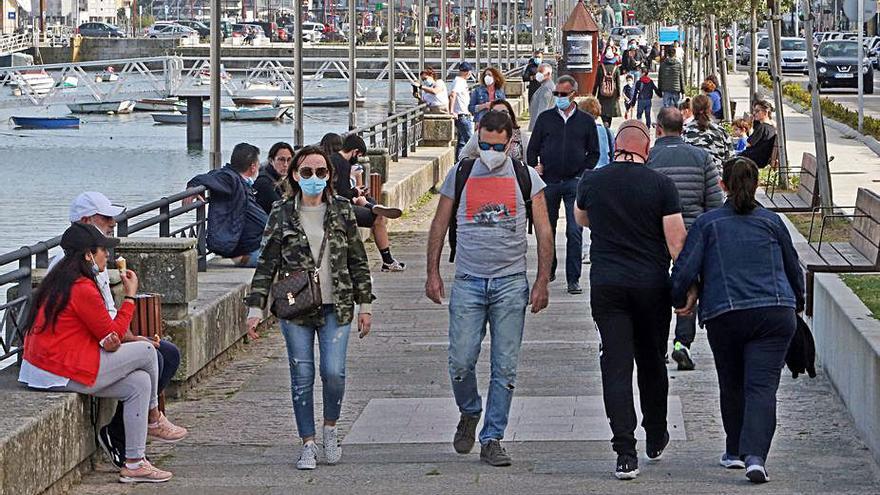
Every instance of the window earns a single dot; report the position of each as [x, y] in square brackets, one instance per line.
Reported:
[794, 45]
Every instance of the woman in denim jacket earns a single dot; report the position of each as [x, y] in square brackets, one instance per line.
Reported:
[489, 90]
[299, 226]
[741, 261]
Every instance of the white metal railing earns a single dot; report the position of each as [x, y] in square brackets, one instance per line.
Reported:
[11, 43]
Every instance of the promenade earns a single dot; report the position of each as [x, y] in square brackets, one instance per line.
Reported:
[398, 416]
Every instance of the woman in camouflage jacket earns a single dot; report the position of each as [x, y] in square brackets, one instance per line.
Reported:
[703, 133]
[292, 242]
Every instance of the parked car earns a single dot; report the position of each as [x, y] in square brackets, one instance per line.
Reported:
[99, 30]
[172, 31]
[313, 32]
[793, 51]
[225, 28]
[744, 48]
[270, 29]
[622, 34]
[203, 30]
[837, 65]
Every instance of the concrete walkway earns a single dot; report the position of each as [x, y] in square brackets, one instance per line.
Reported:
[399, 416]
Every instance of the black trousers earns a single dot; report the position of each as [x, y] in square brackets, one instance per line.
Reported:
[634, 326]
[749, 347]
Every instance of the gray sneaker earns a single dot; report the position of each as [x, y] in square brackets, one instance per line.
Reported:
[332, 449]
[465, 434]
[308, 456]
[493, 454]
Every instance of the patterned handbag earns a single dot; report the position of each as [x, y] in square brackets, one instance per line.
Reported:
[298, 293]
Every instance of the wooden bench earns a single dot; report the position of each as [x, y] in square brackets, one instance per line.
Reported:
[804, 199]
[860, 254]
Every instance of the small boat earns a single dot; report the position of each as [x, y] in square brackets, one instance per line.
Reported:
[159, 105]
[308, 101]
[69, 82]
[125, 106]
[46, 122]
[37, 82]
[108, 75]
[228, 114]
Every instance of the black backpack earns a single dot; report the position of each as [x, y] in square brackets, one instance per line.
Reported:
[463, 172]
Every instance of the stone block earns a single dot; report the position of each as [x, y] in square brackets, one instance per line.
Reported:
[166, 266]
[438, 130]
[378, 159]
[514, 89]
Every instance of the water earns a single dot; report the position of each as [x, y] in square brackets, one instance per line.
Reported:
[132, 160]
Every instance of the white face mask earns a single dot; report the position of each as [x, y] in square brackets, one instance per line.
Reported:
[493, 159]
[489, 80]
[539, 77]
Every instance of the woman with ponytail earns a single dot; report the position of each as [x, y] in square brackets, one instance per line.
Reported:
[702, 132]
[740, 263]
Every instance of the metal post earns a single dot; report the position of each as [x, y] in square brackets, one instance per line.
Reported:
[498, 36]
[507, 37]
[194, 116]
[443, 34]
[773, 31]
[753, 60]
[298, 132]
[352, 65]
[462, 34]
[823, 172]
[478, 6]
[735, 31]
[713, 59]
[515, 32]
[392, 64]
[861, 38]
[421, 35]
[216, 149]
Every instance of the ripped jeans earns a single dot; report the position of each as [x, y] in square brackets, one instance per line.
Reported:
[332, 344]
[500, 302]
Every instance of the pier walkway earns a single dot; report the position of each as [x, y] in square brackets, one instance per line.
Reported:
[399, 416]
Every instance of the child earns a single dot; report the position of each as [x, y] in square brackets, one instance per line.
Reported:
[642, 94]
[741, 129]
[629, 100]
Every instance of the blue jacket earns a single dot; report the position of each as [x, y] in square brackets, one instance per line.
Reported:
[480, 95]
[235, 219]
[741, 262]
[606, 145]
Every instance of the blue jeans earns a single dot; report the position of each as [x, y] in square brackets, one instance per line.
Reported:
[464, 129]
[252, 259]
[566, 192]
[644, 106]
[671, 98]
[500, 302]
[333, 344]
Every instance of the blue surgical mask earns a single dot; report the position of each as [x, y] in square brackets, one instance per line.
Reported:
[95, 269]
[250, 181]
[313, 186]
[539, 60]
[562, 102]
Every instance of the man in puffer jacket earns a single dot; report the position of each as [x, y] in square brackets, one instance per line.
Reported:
[670, 78]
[696, 178]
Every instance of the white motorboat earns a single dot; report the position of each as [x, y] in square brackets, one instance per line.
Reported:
[159, 105]
[118, 107]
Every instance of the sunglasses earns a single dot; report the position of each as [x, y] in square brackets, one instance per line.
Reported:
[561, 93]
[496, 147]
[307, 172]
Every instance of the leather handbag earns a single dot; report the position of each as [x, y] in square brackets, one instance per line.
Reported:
[298, 293]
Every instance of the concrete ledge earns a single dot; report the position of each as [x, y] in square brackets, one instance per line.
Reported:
[46, 438]
[848, 346]
[411, 177]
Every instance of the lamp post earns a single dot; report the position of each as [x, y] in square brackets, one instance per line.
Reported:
[352, 65]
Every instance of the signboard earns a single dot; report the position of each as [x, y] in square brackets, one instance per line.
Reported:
[10, 15]
[668, 35]
[851, 9]
[579, 52]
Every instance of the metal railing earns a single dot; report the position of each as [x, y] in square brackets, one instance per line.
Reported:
[171, 221]
[15, 43]
[399, 133]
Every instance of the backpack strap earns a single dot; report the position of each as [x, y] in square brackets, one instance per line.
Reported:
[610, 144]
[462, 172]
[524, 180]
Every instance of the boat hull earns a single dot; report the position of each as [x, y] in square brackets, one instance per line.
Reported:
[104, 107]
[227, 114]
[46, 122]
[309, 101]
[158, 105]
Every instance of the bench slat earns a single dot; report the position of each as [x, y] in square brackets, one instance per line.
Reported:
[866, 231]
[850, 254]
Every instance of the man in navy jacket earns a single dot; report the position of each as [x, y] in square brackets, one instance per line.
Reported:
[235, 220]
[563, 144]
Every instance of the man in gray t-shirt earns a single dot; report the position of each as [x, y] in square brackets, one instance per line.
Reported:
[490, 281]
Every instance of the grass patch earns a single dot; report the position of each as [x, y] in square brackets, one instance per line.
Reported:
[867, 288]
[836, 229]
[422, 201]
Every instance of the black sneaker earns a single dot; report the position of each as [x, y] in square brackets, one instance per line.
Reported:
[465, 433]
[114, 453]
[575, 288]
[755, 471]
[493, 454]
[627, 467]
[682, 356]
[655, 451]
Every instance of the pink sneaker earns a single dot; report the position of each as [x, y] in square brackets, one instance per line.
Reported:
[166, 431]
[146, 473]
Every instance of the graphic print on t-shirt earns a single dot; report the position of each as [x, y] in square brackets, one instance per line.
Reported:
[491, 202]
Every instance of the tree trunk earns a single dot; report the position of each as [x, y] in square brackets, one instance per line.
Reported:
[753, 62]
[823, 172]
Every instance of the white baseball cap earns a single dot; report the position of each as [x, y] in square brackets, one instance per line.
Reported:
[93, 203]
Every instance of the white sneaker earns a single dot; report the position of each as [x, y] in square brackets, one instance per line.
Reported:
[308, 456]
[332, 450]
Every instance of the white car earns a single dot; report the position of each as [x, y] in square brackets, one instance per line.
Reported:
[623, 34]
[312, 32]
[793, 51]
[172, 31]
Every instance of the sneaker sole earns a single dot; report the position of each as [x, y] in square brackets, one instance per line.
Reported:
[163, 440]
[684, 362]
[390, 213]
[733, 464]
[106, 450]
[496, 464]
[627, 476]
[306, 468]
[463, 451]
[757, 476]
[655, 459]
[127, 479]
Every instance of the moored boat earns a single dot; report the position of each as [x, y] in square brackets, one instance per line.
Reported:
[46, 122]
[32, 82]
[159, 105]
[308, 101]
[125, 106]
[228, 114]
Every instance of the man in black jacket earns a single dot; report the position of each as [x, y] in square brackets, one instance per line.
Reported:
[368, 214]
[564, 143]
[235, 219]
[268, 184]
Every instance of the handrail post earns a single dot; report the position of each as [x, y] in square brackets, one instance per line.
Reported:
[403, 143]
[202, 245]
[165, 223]
[122, 227]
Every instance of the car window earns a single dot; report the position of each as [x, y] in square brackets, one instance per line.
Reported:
[831, 50]
[634, 31]
[764, 43]
[794, 45]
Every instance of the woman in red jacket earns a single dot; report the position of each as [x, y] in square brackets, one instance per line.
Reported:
[73, 345]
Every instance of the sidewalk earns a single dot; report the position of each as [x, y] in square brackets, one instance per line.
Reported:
[854, 165]
[399, 416]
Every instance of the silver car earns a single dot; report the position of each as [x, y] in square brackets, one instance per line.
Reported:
[172, 31]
